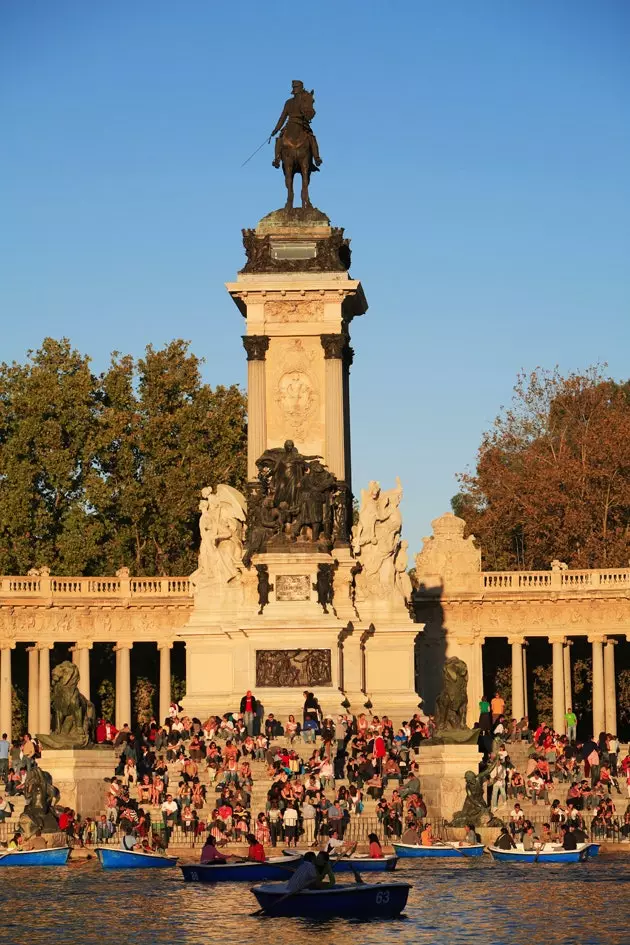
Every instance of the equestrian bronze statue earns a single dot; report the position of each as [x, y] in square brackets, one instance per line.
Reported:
[296, 146]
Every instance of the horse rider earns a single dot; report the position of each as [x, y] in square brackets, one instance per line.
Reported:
[298, 110]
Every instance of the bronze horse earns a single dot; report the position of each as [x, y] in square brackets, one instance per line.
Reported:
[296, 151]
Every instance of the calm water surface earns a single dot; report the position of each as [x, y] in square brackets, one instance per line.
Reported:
[452, 903]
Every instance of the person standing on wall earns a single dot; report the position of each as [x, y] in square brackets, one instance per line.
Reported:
[248, 711]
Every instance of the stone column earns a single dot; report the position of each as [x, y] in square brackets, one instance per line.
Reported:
[256, 348]
[558, 685]
[568, 693]
[599, 714]
[44, 688]
[475, 682]
[518, 697]
[334, 348]
[33, 689]
[165, 680]
[123, 684]
[610, 695]
[525, 696]
[81, 656]
[5, 688]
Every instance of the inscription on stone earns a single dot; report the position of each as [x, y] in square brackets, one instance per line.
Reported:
[293, 587]
[293, 668]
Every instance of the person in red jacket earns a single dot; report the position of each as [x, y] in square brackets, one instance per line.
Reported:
[256, 851]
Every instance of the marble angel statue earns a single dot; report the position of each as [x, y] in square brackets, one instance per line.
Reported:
[222, 526]
[376, 540]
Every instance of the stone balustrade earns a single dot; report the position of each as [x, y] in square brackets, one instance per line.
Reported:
[489, 583]
[74, 588]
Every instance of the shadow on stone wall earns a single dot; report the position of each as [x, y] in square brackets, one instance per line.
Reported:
[430, 650]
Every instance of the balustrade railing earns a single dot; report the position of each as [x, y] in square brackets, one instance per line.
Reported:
[102, 587]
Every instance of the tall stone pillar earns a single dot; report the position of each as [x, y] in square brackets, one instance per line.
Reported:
[568, 689]
[518, 696]
[475, 682]
[82, 654]
[44, 688]
[334, 351]
[610, 695]
[165, 680]
[123, 684]
[558, 685]
[5, 688]
[256, 348]
[33, 690]
[525, 696]
[599, 715]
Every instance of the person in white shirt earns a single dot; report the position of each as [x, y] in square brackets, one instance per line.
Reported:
[169, 815]
[290, 823]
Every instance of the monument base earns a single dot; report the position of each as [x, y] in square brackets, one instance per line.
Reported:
[79, 776]
[441, 769]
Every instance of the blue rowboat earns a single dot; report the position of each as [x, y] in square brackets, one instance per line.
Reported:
[55, 856]
[450, 850]
[363, 864]
[278, 867]
[549, 853]
[113, 858]
[384, 900]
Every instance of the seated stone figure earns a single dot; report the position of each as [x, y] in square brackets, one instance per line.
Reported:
[74, 718]
[41, 796]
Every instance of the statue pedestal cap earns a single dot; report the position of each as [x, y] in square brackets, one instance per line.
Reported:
[78, 774]
[441, 769]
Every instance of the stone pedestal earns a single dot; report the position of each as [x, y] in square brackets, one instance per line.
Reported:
[441, 769]
[78, 774]
[298, 301]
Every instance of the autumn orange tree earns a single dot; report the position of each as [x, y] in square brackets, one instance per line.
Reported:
[553, 475]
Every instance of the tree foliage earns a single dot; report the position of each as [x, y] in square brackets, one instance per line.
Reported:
[553, 475]
[503, 685]
[107, 696]
[18, 712]
[543, 693]
[100, 472]
[143, 698]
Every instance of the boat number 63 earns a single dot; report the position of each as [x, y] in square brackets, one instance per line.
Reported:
[382, 898]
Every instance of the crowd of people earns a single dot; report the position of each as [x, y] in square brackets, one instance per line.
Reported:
[584, 773]
[198, 777]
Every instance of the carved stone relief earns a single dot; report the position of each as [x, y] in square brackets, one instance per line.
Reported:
[288, 668]
[305, 310]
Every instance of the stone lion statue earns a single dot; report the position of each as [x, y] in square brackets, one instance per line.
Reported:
[452, 703]
[74, 718]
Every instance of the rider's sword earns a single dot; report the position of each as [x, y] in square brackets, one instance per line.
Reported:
[266, 141]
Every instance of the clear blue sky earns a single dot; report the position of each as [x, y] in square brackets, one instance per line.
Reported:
[477, 153]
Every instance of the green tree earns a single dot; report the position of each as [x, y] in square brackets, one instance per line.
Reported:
[582, 688]
[178, 688]
[18, 712]
[543, 693]
[553, 475]
[144, 697]
[623, 699]
[107, 696]
[97, 473]
[48, 411]
[503, 685]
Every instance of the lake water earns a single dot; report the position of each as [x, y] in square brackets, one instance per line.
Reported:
[452, 903]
